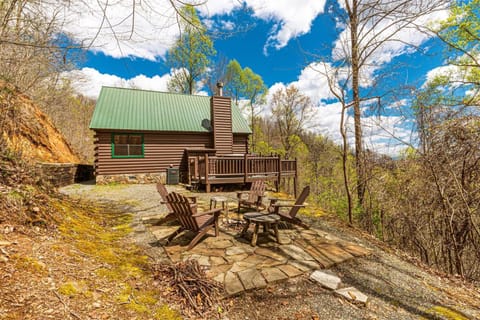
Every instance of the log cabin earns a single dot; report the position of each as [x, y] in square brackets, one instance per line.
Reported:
[141, 136]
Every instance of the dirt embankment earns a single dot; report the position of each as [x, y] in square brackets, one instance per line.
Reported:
[28, 132]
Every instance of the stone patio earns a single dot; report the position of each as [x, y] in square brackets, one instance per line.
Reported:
[228, 258]
[231, 260]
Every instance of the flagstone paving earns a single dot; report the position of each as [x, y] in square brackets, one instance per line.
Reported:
[231, 260]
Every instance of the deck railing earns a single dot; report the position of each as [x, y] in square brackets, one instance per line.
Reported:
[239, 168]
[288, 168]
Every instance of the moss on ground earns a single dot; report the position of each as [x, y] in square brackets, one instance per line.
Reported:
[102, 234]
[447, 313]
[310, 210]
[29, 264]
[73, 288]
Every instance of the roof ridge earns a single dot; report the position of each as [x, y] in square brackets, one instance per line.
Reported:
[156, 91]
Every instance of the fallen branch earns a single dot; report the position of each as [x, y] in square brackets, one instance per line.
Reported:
[190, 285]
[67, 309]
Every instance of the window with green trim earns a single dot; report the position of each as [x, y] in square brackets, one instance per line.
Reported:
[127, 145]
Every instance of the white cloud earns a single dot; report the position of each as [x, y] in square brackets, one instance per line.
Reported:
[145, 30]
[273, 89]
[379, 132]
[88, 81]
[292, 20]
[327, 121]
[448, 71]
[218, 7]
[227, 25]
[385, 134]
[311, 82]
[148, 28]
[455, 74]
[314, 81]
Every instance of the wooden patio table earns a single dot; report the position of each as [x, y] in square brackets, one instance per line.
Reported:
[258, 218]
[223, 201]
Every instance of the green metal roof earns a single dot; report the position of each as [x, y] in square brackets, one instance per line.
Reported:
[132, 109]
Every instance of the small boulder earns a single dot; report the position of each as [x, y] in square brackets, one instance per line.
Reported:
[353, 294]
[327, 280]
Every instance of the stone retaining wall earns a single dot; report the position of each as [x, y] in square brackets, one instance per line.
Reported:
[132, 178]
[62, 174]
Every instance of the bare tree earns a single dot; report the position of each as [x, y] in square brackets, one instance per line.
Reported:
[338, 79]
[218, 73]
[370, 27]
[291, 111]
[30, 50]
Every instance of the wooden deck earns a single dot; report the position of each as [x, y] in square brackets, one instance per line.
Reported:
[229, 169]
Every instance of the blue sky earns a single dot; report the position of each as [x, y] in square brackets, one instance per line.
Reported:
[283, 41]
[283, 65]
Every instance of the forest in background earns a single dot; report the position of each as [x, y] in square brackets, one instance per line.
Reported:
[426, 202]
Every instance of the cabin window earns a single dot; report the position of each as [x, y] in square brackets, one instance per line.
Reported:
[127, 145]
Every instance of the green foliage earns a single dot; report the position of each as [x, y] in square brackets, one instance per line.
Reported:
[265, 144]
[461, 32]
[244, 84]
[234, 82]
[409, 153]
[462, 28]
[264, 148]
[321, 168]
[190, 56]
[254, 88]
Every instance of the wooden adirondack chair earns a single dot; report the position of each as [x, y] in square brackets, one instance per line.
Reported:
[190, 219]
[162, 190]
[254, 196]
[291, 215]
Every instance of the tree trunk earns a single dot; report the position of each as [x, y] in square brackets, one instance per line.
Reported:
[359, 156]
[344, 166]
[253, 126]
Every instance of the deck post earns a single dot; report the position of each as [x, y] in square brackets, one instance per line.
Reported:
[279, 164]
[207, 166]
[246, 168]
[295, 179]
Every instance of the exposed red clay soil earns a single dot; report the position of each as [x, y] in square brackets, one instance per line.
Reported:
[28, 131]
